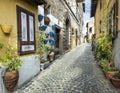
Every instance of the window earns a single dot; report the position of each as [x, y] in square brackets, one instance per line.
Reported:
[100, 27]
[100, 4]
[26, 31]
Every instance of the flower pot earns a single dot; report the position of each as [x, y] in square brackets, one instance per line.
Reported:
[115, 81]
[44, 65]
[10, 79]
[40, 17]
[109, 73]
[51, 56]
[46, 20]
[43, 27]
[6, 28]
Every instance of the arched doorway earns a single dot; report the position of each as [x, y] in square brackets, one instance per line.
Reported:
[67, 33]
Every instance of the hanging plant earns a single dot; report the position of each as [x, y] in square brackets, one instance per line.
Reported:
[51, 42]
[53, 27]
[43, 27]
[51, 34]
[6, 28]
[46, 20]
[47, 35]
[40, 17]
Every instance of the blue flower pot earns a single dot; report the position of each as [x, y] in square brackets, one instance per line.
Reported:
[42, 27]
[51, 42]
[47, 35]
[53, 27]
[40, 17]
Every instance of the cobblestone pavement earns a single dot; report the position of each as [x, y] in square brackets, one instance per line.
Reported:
[75, 72]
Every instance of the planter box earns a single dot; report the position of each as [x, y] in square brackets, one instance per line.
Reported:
[44, 65]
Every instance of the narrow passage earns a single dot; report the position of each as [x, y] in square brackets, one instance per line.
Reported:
[74, 72]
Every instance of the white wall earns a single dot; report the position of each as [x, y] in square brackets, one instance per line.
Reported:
[30, 68]
[117, 51]
[2, 88]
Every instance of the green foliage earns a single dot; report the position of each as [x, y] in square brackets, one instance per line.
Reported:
[43, 49]
[10, 59]
[103, 48]
[106, 69]
[103, 63]
[116, 76]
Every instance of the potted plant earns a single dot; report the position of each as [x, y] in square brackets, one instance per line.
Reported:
[43, 49]
[104, 63]
[6, 28]
[115, 79]
[46, 20]
[51, 55]
[11, 61]
[109, 71]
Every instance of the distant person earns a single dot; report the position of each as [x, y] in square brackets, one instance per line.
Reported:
[93, 41]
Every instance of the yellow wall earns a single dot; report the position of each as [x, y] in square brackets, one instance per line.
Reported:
[8, 16]
[100, 13]
[118, 15]
[97, 19]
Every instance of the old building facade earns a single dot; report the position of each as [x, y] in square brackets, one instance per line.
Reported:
[107, 14]
[22, 17]
[69, 16]
[90, 29]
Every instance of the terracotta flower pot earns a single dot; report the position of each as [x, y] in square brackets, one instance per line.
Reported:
[10, 79]
[51, 55]
[109, 73]
[46, 20]
[6, 28]
[115, 81]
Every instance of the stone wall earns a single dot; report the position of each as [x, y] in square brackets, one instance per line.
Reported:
[60, 10]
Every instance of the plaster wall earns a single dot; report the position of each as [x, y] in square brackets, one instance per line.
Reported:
[8, 15]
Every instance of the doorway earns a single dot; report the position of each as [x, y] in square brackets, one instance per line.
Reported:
[57, 40]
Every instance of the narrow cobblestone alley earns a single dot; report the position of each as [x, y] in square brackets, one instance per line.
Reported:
[75, 72]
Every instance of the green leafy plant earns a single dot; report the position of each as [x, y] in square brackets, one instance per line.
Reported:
[116, 76]
[106, 69]
[43, 49]
[103, 63]
[103, 48]
[10, 59]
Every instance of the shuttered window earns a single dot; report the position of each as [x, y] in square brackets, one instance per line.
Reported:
[26, 31]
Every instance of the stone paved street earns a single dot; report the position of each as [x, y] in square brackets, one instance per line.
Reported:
[75, 72]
